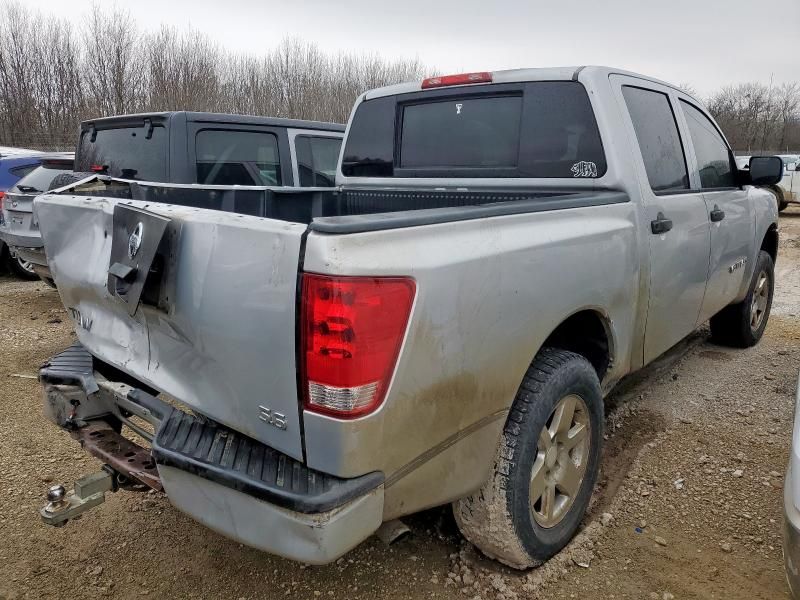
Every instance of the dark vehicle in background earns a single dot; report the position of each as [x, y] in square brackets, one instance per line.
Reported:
[210, 148]
[15, 163]
[187, 148]
[18, 227]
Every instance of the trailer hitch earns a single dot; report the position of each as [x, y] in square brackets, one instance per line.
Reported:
[127, 466]
[87, 492]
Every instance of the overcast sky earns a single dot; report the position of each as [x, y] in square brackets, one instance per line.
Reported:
[706, 43]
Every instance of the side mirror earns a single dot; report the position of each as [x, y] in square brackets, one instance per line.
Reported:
[765, 170]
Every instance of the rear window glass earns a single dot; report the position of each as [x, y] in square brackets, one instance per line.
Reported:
[540, 129]
[227, 157]
[22, 171]
[125, 152]
[468, 132]
[316, 160]
[40, 178]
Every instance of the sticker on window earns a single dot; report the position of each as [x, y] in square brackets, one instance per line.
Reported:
[584, 169]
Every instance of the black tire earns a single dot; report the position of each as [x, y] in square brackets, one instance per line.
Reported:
[733, 325]
[499, 518]
[782, 205]
[19, 270]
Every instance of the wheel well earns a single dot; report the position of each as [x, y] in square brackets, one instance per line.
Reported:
[770, 242]
[775, 189]
[586, 333]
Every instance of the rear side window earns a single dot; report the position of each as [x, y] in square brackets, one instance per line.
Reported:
[39, 179]
[227, 157]
[540, 129]
[316, 160]
[713, 157]
[125, 152]
[658, 137]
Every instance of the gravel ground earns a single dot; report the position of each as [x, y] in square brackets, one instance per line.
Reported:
[688, 504]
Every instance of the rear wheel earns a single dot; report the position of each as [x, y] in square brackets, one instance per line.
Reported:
[546, 465]
[742, 324]
[22, 268]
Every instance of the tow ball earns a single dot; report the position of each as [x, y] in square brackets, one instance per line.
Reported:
[87, 492]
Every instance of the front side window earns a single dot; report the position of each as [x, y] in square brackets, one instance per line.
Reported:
[227, 157]
[658, 137]
[713, 157]
[316, 160]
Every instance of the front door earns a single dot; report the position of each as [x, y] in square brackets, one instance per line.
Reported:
[675, 215]
[729, 211]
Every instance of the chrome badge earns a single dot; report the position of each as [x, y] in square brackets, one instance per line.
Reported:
[135, 241]
[737, 265]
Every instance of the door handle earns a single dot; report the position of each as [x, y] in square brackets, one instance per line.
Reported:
[717, 214]
[661, 224]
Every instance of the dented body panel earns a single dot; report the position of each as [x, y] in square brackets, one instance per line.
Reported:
[225, 342]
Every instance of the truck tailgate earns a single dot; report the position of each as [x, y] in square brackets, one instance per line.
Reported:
[219, 335]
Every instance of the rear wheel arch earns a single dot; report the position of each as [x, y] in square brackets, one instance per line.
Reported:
[588, 332]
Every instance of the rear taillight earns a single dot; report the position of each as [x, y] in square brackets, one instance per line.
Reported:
[460, 79]
[352, 329]
[2, 198]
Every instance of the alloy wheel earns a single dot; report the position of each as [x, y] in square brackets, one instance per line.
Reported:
[562, 456]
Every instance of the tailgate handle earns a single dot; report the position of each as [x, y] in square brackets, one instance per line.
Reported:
[123, 272]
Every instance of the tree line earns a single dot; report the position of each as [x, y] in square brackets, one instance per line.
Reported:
[54, 75]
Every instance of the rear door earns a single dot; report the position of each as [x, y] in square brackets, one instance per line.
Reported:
[729, 211]
[196, 303]
[675, 215]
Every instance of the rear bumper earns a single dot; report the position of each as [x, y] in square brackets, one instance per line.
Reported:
[22, 240]
[233, 484]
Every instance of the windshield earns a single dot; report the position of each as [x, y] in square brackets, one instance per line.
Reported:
[540, 129]
[125, 152]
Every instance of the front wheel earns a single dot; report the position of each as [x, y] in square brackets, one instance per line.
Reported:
[742, 325]
[546, 465]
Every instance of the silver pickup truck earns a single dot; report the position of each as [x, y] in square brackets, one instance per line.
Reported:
[501, 249]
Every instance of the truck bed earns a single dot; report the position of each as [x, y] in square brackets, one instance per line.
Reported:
[350, 210]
